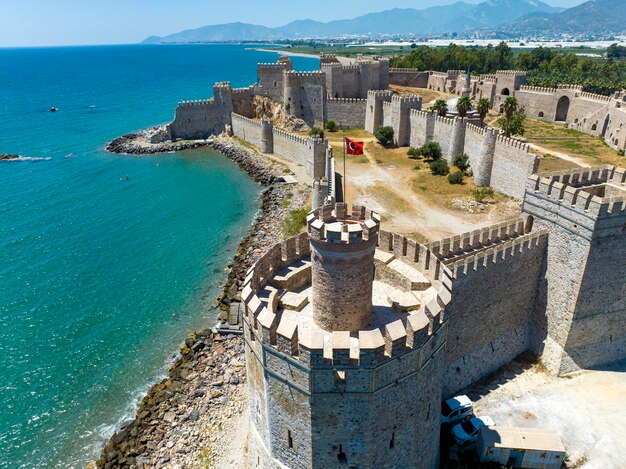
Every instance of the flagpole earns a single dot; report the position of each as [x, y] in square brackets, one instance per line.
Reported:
[345, 198]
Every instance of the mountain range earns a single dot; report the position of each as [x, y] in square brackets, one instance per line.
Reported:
[596, 17]
[506, 15]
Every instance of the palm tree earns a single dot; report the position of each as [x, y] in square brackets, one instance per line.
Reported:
[463, 105]
[509, 107]
[482, 107]
[512, 122]
[441, 106]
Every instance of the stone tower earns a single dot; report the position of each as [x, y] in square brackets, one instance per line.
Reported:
[344, 334]
[582, 321]
[342, 269]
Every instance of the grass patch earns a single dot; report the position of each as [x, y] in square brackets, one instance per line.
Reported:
[295, 221]
[558, 138]
[549, 163]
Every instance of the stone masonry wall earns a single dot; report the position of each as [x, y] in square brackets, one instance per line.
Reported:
[349, 113]
[247, 129]
[584, 297]
[197, 119]
[493, 300]
[408, 77]
[512, 165]
[307, 152]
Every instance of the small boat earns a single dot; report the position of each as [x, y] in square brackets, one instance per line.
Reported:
[53, 109]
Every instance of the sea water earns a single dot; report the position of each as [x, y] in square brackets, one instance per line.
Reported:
[106, 261]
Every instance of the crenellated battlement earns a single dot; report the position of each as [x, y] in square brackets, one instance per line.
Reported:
[196, 102]
[538, 89]
[488, 78]
[297, 138]
[347, 100]
[594, 96]
[450, 120]
[222, 85]
[450, 249]
[499, 253]
[406, 99]
[315, 73]
[253, 122]
[379, 93]
[568, 86]
[512, 142]
[521, 73]
[478, 130]
[335, 225]
[407, 70]
[271, 66]
[583, 190]
[315, 347]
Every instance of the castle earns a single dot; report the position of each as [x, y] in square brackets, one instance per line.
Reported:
[353, 335]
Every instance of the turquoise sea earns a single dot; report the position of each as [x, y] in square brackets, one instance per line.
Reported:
[102, 277]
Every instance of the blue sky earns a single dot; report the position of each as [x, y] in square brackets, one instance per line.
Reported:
[62, 22]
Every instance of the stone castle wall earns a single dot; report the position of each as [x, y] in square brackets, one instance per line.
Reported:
[493, 294]
[512, 165]
[349, 113]
[502, 163]
[408, 77]
[247, 129]
[308, 152]
[197, 119]
[305, 151]
[585, 305]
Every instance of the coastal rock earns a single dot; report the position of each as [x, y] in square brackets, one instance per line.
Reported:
[182, 416]
[8, 156]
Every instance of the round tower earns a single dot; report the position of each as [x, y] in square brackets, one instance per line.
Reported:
[342, 267]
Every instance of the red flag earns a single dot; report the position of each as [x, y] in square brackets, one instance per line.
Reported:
[354, 148]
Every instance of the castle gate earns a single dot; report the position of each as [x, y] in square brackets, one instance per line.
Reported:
[561, 109]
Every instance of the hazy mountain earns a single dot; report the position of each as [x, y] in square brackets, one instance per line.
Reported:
[459, 16]
[495, 12]
[595, 17]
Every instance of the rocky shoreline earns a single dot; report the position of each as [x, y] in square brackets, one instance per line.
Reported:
[188, 419]
[8, 156]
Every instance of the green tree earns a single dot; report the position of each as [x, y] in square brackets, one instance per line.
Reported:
[461, 162]
[316, 132]
[439, 167]
[384, 135]
[441, 106]
[482, 107]
[456, 177]
[431, 151]
[463, 105]
[331, 125]
[512, 121]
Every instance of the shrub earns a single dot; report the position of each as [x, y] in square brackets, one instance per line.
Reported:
[416, 167]
[481, 193]
[295, 221]
[431, 151]
[414, 153]
[456, 177]
[316, 132]
[331, 125]
[439, 167]
[461, 162]
[620, 152]
[384, 135]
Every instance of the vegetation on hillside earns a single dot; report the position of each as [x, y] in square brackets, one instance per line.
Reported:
[546, 67]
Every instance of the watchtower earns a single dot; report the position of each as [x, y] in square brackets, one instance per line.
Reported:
[344, 333]
[584, 324]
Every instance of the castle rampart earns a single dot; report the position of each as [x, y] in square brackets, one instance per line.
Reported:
[349, 113]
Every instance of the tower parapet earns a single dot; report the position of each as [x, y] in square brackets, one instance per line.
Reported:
[322, 395]
[342, 261]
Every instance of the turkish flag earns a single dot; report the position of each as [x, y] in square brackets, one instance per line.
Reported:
[354, 148]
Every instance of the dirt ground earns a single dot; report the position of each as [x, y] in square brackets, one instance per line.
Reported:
[412, 201]
[585, 409]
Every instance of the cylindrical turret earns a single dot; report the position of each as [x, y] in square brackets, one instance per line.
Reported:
[342, 263]
[267, 136]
